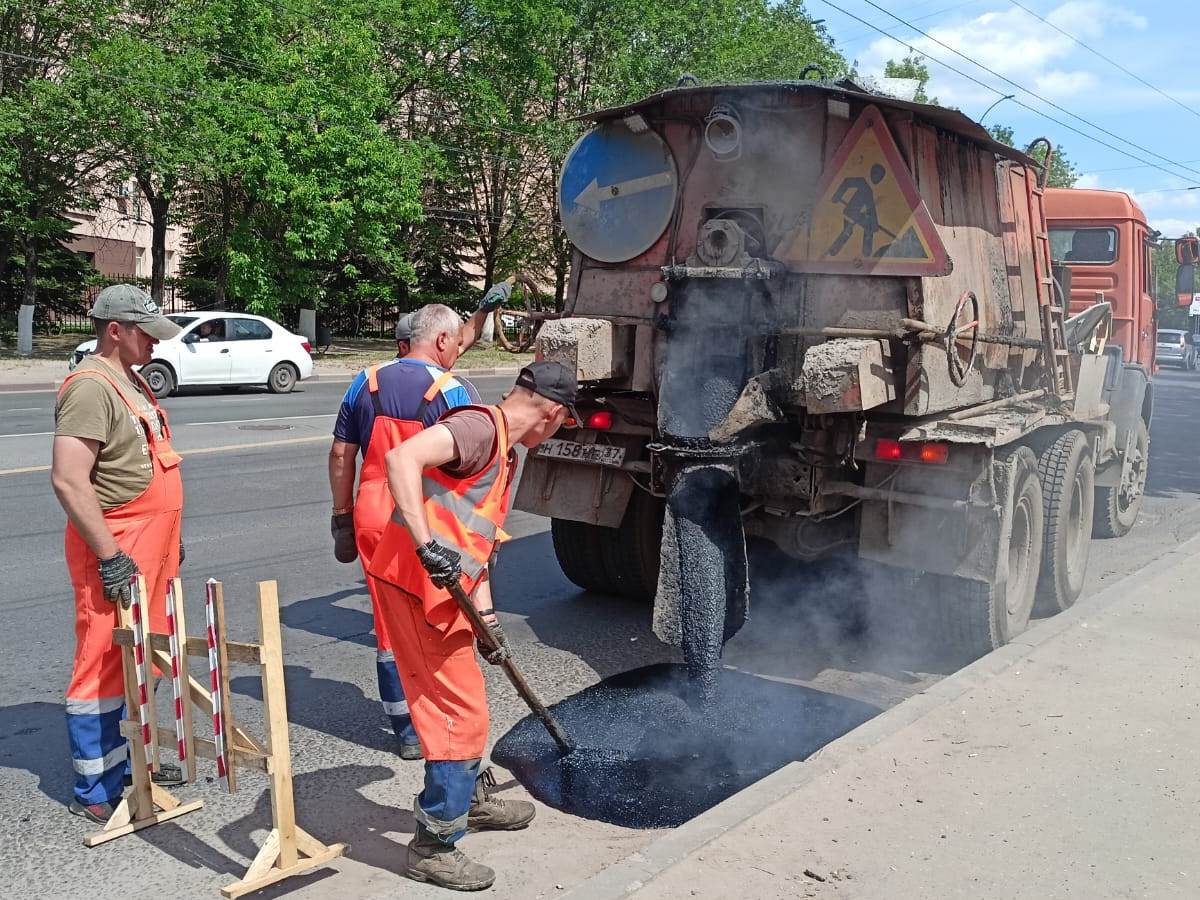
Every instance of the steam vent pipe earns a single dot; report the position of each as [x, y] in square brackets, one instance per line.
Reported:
[702, 597]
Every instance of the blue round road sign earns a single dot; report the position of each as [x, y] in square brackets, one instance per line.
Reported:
[617, 192]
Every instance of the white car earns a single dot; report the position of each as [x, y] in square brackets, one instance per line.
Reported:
[223, 348]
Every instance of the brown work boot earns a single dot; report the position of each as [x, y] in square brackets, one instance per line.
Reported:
[490, 813]
[445, 865]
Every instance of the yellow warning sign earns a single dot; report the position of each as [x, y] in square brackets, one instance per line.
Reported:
[868, 218]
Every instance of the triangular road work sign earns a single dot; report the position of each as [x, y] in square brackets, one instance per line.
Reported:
[868, 218]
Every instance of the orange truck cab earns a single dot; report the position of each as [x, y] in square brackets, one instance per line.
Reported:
[1103, 239]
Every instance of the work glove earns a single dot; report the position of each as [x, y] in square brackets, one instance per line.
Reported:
[115, 573]
[341, 526]
[443, 564]
[182, 553]
[500, 654]
[497, 295]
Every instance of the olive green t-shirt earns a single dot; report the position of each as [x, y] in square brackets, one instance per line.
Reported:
[91, 408]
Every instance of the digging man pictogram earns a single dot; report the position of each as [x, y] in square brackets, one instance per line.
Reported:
[857, 198]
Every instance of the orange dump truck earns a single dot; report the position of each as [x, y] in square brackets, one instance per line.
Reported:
[828, 320]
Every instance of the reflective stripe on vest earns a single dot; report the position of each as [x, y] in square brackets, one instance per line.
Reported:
[464, 514]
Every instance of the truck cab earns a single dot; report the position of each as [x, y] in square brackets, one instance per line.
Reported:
[1104, 242]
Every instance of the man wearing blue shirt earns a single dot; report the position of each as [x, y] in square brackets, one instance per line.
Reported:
[382, 407]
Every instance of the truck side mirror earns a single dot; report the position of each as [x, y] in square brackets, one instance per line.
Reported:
[1185, 283]
[1187, 251]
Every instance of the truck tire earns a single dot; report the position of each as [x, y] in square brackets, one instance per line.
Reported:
[1117, 507]
[1068, 480]
[973, 617]
[622, 561]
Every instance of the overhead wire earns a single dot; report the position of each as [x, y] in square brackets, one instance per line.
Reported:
[998, 92]
[1026, 90]
[1111, 62]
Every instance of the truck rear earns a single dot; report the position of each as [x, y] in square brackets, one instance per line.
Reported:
[829, 320]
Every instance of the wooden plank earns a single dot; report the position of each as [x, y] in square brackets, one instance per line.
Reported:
[223, 661]
[102, 837]
[266, 858]
[205, 749]
[140, 794]
[241, 888]
[189, 733]
[238, 651]
[283, 808]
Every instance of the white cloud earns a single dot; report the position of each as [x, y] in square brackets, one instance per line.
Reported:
[1013, 44]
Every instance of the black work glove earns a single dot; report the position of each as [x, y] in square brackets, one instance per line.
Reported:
[497, 295]
[500, 654]
[443, 564]
[115, 573]
[182, 553]
[342, 528]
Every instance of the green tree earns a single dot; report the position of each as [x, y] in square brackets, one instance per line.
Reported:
[1063, 173]
[913, 67]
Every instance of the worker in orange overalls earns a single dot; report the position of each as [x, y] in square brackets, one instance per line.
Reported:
[451, 486]
[117, 478]
[384, 406]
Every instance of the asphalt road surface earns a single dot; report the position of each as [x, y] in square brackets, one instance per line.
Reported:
[257, 508]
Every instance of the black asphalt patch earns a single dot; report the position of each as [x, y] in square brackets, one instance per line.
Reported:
[647, 759]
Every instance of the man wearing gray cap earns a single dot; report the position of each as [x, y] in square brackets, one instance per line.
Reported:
[387, 404]
[118, 481]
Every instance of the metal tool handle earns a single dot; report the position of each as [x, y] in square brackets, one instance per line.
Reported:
[487, 638]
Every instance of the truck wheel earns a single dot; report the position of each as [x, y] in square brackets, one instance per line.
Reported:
[578, 547]
[620, 560]
[1068, 480]
[974, 617]
[1117, 507]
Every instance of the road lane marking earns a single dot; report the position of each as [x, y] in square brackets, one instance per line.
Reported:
[26, 409]
[267, 419]
[195, 424]
[186, 453]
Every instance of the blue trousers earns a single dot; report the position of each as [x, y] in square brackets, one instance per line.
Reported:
[443, 804]
[99, 752]
[395, 707]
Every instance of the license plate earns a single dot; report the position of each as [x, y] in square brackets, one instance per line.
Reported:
[599, 454]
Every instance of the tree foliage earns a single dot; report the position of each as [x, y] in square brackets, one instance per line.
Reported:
[1063, 173]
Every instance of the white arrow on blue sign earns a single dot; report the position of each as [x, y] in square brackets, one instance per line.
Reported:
[617, 192]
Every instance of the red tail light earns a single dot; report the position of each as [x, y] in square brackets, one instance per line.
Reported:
[889, 450]
[307, 346]
[601, 420]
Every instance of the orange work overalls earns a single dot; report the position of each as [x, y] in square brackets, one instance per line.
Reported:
[372, 507]
[147, 528]
[432, 637]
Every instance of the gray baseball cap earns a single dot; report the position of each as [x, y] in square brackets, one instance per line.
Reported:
[404, 328]
[129, 303]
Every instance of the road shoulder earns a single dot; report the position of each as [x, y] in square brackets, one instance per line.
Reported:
[1062, 765]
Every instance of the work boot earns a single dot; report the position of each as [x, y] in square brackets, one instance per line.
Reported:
[99, 813]
[409, 751]
[430, 860]
[489, 813]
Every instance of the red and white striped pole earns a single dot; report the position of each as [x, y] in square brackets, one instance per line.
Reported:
[139, 667]
[214, 677]
[176, 667]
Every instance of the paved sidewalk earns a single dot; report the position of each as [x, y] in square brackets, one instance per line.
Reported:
[1064, 766]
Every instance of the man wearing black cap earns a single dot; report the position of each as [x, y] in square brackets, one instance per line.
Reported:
[117, 478]
[451, 486]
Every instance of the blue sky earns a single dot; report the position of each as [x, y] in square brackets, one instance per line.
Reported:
[1153, 41]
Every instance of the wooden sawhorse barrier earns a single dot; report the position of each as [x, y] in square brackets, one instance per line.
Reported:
[288, 850]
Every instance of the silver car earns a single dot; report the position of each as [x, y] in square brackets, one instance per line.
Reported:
[1175, 348]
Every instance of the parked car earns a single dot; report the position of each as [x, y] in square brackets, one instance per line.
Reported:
[1175, 348]
[223, 348]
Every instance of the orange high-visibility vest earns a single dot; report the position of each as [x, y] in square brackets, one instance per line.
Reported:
[465, 515]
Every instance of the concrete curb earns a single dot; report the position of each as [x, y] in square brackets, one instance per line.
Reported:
[633, 873]
[20, 387]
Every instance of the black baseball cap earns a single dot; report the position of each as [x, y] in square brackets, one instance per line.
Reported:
[552, 380]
